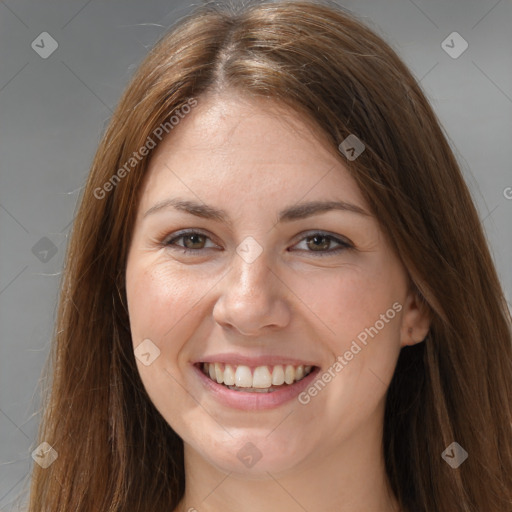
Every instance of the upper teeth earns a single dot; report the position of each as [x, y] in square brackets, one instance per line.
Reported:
[262, 377]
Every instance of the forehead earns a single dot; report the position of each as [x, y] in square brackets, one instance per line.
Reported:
[254, 147]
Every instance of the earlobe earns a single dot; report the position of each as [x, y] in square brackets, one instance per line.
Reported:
[416, 319]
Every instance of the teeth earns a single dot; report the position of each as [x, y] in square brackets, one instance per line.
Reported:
[289, 374]
[219, 374]
[243, 377]
[278, 375]
[229, 375]
[262, 378]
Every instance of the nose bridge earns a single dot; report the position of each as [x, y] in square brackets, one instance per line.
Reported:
[251, 297]
[251, 276]
[250, 266]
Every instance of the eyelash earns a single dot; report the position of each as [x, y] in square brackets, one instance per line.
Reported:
[343, 245]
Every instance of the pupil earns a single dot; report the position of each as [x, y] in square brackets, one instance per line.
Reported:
[193, 240]
[320, 242]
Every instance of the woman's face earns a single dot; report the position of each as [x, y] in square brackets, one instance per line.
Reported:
[254, 251]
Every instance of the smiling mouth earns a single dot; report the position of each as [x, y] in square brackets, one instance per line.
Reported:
[260, 379]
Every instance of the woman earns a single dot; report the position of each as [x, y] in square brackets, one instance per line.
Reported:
[278, 294]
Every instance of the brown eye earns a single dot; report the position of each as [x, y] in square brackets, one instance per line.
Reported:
[190, 241]
[323, 244]
[318, 242]
[194, 241]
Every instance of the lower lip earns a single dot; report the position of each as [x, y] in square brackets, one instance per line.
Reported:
[254, 401]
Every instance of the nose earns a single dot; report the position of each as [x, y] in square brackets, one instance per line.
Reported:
[252, 298]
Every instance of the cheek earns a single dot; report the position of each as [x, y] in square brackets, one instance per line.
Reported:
[360, 311]
[157, 300]
[351, 300]
[158, 303]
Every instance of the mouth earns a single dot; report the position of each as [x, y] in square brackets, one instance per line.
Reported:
[259, 379]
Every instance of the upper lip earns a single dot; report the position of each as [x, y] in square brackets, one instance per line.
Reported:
[261, 360]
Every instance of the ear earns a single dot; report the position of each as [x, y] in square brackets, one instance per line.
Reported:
[416, 319]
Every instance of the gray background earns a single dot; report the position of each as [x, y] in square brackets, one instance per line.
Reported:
[54, 110]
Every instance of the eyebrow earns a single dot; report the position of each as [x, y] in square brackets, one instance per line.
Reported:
[291, 213]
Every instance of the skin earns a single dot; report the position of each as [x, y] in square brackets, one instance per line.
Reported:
[252, 158]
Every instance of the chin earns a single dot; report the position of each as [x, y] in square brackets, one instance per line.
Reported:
[254, 456]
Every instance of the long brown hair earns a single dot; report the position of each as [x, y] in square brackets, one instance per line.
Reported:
[115, 451]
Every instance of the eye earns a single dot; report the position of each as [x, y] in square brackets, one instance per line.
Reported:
[322, 243]
[191, 241]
